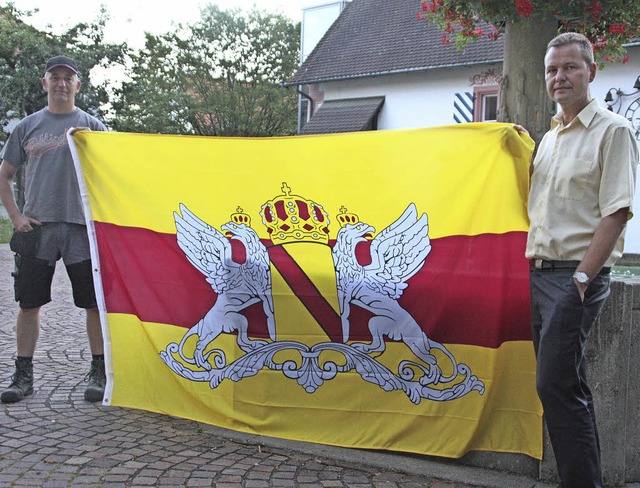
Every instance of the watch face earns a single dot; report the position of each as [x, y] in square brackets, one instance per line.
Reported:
[581, 277]
[633, 114]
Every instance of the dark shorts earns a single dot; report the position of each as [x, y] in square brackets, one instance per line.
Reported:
[33, 274]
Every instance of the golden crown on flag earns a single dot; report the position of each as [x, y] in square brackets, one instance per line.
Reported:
[345, 218]
[240, 217]
[292, 218]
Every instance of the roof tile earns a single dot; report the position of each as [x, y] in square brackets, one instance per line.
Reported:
[374, 37]
[346, 115]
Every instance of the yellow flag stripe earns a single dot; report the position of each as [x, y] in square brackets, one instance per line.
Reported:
[344, 411]
[139, 180]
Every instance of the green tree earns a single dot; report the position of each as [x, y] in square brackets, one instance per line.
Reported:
[220, 76]
[24, 51]
[87, 47]
[528, 25]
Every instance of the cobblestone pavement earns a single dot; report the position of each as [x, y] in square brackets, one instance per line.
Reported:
[56, 439]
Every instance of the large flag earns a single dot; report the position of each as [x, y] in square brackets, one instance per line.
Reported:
[365, 290]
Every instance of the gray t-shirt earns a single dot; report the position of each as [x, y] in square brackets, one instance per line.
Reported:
[39, 142]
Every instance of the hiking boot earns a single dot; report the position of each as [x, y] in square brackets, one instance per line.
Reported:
[97, 379]
[21, 383]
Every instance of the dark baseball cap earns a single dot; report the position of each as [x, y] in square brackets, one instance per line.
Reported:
[63, 61]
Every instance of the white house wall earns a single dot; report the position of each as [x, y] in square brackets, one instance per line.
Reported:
[426, 99]
[412, 100]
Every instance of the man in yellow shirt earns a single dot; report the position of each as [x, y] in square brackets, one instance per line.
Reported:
[582, 184]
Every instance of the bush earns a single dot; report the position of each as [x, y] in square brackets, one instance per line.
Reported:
[6, 228]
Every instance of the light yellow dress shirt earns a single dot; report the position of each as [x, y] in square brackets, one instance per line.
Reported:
[582, 172]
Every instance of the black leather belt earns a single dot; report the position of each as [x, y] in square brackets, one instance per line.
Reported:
[546, 265]
[551, 265]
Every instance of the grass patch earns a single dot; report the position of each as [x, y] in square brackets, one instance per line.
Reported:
[6, 229]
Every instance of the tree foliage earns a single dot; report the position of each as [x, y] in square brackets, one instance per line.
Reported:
[607, 23]
[24, 51]
[220, 76]
[88, 49]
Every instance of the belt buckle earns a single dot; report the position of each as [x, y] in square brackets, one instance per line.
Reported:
[542, 264]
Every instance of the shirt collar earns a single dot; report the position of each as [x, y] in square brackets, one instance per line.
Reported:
[585, 116]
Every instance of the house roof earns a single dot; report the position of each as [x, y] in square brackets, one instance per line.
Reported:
[346, 115]
[375, 37]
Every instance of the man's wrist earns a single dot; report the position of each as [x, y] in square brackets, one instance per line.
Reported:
[581, 277]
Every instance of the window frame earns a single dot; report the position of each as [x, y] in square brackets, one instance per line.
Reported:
[480, 95]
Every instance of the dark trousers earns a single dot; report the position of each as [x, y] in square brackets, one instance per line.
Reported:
[561, 323]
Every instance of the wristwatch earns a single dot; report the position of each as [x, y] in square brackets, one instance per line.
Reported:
[581, 277]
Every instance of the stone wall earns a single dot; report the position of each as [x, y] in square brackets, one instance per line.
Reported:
[613, 358]
[632, 444]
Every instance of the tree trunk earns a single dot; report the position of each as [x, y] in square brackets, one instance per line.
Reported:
[523, 95]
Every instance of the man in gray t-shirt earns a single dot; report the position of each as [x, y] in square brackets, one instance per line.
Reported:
[51, 225]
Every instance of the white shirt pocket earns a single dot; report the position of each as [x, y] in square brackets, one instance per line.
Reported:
[572, 178]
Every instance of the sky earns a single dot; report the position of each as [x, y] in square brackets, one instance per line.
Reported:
[129, 19]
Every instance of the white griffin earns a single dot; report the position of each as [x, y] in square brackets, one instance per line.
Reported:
[238, 285]
[397, 253]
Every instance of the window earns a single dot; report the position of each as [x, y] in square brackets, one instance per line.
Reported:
[485, 107]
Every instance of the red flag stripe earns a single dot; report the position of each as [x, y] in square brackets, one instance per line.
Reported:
[471, 289]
